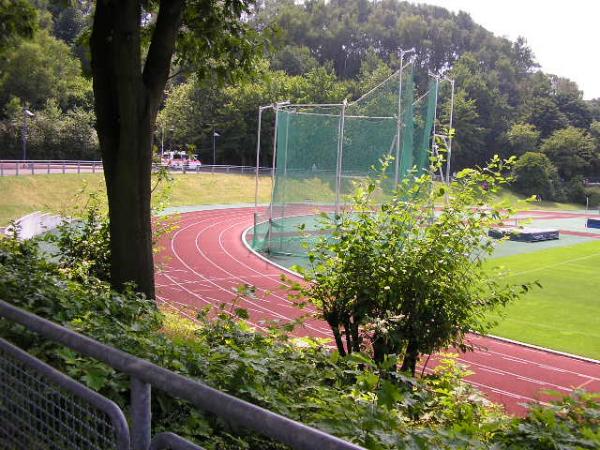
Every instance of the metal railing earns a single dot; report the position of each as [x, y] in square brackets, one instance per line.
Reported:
[46, 167]
[60, 408]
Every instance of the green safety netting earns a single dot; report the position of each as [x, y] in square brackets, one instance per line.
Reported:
[321, 150]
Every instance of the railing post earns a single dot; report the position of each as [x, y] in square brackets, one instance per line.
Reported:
[17, 166]
[1, 169]
[48, 169]
[141, 414]
[93, 166]
[64, 168]
[78, 167]
[32, 168]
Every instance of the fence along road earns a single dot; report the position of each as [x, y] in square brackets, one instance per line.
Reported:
[47, 167]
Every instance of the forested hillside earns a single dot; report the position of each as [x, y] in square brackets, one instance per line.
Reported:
[316, 51]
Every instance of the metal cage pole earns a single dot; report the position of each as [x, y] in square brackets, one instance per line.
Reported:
[276, 108]
[450, 131]
[260, 111]
[340, 153]
[399, 122]
[433, 143]
[285, 180]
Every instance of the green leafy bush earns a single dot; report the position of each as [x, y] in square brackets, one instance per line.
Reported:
[404, 275]
[355, 398]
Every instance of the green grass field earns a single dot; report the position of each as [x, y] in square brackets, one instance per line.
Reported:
[565, 313]
[57, 192]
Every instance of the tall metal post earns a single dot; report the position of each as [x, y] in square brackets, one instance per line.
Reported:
[260, 111]
[141, 414]
[26, 115]
[214, 146]
[340, 155]
[285, 161]
[399, 122]
[433, 143]
[270, 232]
[450, 131]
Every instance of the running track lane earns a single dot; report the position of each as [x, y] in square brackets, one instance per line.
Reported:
[204, 261]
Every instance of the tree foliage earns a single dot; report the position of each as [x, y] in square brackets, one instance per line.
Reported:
[572, 150]
[43, 69]
[18, 20]
[403, 277]
[534, 174]
[523, 138]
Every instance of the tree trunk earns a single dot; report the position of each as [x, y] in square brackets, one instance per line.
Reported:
[411, 357]
[126, 103]
[338, 340]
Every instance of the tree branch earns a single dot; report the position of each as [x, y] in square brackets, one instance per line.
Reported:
[162, 46]
[106, 105]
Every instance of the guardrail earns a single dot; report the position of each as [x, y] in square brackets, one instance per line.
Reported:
[42, 408]
[46, 167]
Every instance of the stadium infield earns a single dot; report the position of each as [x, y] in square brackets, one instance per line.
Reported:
[564, 314]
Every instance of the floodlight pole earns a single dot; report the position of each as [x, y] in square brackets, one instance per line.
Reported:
[399, 122]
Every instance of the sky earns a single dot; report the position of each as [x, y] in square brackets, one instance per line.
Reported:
[563, 34]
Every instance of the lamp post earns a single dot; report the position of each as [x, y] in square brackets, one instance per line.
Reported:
[26, 114]
[162, 143]
[215, 136]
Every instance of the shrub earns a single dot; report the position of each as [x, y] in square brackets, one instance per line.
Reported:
[534, 174]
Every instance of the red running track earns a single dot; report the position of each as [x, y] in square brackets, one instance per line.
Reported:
[204, 261]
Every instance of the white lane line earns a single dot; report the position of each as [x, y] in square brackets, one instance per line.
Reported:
[507, 393]
[516, 375]
[280, 284]
[497, 390]
[220, 240]
[215, 303]
[485, 349]
[308, 308]
[195, 295]
[515, 360]
[190, 269]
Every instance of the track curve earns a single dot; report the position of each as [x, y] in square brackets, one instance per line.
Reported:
[204, 261]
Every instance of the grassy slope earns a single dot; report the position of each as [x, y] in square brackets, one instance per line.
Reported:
[519, 202]
[565, 313]
[57, 192]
